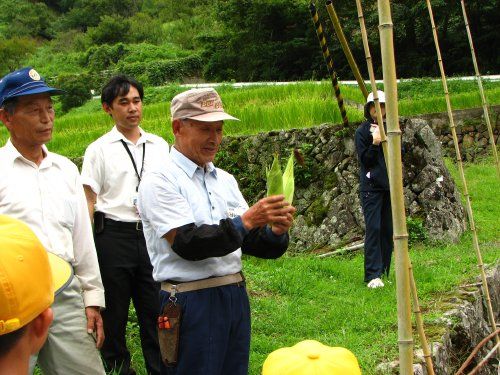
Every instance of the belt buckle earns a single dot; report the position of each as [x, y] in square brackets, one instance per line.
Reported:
[138, 225]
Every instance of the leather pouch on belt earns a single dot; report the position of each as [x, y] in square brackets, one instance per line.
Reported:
[168, 333]
[98, 222]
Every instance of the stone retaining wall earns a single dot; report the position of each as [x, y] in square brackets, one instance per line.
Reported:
[466, 325]
[328, 207]
[327, 197]
[472, 132]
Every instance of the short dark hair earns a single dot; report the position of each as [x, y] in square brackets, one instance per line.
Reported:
[119, 85]
[9, 340]
[9, 105]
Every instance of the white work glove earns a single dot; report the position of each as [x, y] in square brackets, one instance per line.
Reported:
[374, 129]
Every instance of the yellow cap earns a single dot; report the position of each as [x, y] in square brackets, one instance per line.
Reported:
[29, 275]
[311, 357]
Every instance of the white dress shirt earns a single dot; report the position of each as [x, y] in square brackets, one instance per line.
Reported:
[49, 198]
[108, 170]
[182, 193]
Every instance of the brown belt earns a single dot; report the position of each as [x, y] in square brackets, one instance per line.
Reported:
[211, 282]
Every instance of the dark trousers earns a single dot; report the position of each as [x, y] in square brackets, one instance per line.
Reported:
[215, 332]
[378, 233]
[126, 273]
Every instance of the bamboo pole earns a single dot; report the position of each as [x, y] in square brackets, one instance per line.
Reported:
[491, 316]
[485, 359]
[475, 351]
[416, 305]
[345, 47]
[329, 63]
[380, 120]
[481, 91]
[371, 73]
[405, 339]
[420, 322]
[342, 250]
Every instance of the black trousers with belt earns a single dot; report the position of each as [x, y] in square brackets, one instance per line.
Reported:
[378, 233]
[126, 273]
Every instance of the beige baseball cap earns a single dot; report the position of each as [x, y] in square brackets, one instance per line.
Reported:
[200, 105]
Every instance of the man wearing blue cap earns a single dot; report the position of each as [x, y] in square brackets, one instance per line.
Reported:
[44, 190]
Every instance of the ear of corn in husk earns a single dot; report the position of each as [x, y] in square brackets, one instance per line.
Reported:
[278, 183]
[274, 178]
[289, 180]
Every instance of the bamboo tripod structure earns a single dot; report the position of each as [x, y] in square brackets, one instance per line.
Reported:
[481, 90]
[416, 305]
[491, 316]
[345, 47]
[329, 62]
[405, 338]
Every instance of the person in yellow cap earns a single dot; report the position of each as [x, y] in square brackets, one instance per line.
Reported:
[311, 357]
[29, 279]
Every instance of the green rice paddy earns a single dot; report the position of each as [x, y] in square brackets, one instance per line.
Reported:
[263, 108]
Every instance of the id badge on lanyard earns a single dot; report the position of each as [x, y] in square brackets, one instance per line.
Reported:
[138, 174]
[133, 200]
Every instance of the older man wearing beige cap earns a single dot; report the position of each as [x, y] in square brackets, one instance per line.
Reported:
[197, 224]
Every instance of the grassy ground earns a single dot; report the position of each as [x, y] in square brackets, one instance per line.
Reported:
[303, 297]
[296, 298]
[299, 297]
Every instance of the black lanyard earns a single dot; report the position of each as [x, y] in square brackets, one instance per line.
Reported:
[139, 175]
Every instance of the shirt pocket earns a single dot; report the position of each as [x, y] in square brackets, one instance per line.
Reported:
[234, 209]
[67, 213]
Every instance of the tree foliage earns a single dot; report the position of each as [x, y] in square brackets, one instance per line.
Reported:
[271, 39]
[160, 72]
[262, 40]
[13, 52]
[104, 56]
[243, 40]
[22, 18]
[77, 87]
[111, 29]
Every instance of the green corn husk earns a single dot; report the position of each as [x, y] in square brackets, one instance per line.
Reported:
[274, 178]
[289, 180]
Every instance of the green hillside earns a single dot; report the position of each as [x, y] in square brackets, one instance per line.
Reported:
[79, 43]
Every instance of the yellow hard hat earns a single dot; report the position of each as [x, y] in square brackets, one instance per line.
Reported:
[29, 275]
[311, 357]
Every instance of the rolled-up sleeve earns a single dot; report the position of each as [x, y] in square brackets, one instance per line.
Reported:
[86, 266]
[92, 169]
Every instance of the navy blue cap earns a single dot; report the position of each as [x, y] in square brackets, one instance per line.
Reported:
[22, 82]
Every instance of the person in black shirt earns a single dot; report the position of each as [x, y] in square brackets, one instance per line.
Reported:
[375, 195]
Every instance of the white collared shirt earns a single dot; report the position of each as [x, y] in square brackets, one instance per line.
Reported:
[49, 198]
[182, 193]
[108, 170]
